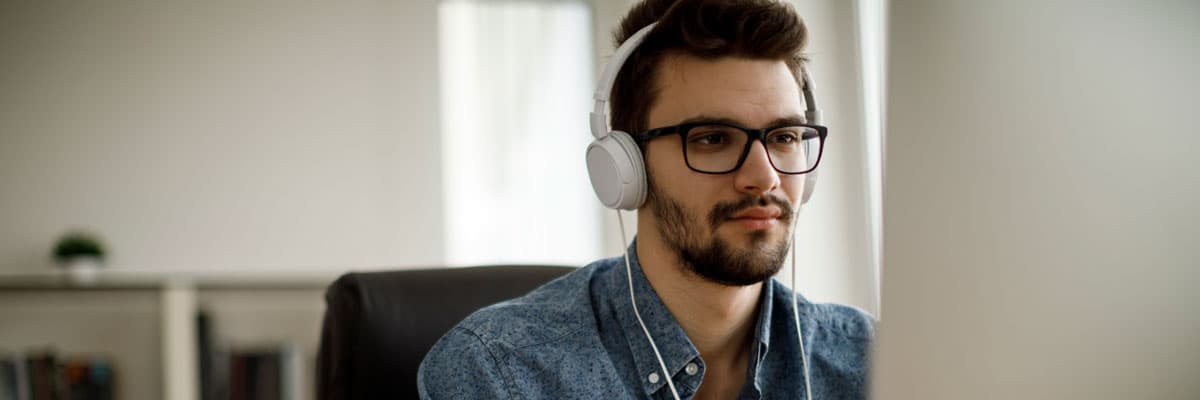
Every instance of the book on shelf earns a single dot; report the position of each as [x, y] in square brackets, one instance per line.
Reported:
[265, 373]
[14, 380]
[43, 375]
[273, 371]
[88, 380]
[205, 356]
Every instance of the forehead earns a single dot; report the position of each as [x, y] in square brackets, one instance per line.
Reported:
[752, 92]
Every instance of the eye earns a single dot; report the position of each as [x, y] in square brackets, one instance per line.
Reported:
[711, 138]
[711, 135]
[786, 136]
[783, 137]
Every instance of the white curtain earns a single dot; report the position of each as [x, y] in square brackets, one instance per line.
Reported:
[516, 80]
[872, 28]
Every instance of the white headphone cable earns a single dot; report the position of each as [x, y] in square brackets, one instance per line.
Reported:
[629, 278]
[654, 347]
[796, 309]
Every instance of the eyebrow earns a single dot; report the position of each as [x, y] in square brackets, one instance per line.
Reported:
[711, 119]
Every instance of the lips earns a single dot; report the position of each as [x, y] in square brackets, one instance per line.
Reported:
[752, 212]
[757, 218]
[759, 213]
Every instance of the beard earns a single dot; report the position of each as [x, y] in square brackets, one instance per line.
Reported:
[715, 259]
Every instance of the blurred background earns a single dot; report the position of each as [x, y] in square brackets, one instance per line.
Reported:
[1040, 217]
[233, 158]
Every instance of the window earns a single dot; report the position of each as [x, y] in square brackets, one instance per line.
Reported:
[516, 82]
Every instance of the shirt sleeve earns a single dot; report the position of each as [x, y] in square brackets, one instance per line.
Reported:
[460, 366]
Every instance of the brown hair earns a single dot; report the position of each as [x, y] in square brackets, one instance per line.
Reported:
[756, 29]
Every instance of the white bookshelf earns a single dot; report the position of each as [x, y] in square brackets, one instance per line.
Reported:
[247, 308]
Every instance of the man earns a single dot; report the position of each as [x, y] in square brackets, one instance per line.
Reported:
[714, 96]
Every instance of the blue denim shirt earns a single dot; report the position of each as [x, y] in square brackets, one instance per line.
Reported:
[577, 338]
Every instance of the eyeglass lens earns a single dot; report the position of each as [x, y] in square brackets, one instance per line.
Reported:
[717, 148]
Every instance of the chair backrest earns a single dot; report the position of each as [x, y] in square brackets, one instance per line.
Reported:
[379, 325]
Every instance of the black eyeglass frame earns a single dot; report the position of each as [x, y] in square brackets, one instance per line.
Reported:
[754, 134]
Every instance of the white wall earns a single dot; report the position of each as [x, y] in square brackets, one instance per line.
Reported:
[1040, 217]
[277, 136]
[221, 135]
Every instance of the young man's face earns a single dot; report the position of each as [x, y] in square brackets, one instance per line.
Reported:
[731, 228]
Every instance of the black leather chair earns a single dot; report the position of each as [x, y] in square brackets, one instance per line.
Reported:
[379, 325]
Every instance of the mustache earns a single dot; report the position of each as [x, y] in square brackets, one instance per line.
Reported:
[726, 210]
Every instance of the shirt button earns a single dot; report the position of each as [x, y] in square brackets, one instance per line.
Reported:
[653, 377]
[691, 369]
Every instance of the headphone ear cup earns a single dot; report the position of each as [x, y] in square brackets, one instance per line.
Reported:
[810, 184]
[615, 168]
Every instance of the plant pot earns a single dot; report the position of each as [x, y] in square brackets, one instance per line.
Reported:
[82, 270]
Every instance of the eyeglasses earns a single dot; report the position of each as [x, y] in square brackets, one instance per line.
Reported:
[721, 148]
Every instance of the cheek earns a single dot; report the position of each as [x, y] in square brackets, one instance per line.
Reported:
[662, 166]
[661, 153]
[695, 193]
[793, 186]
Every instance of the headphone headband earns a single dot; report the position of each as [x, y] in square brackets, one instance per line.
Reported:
[812, 114]
[609, 78]
[614, 161]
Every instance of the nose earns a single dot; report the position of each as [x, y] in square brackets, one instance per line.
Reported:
[756, 176]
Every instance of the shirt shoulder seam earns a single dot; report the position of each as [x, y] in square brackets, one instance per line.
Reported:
[836, 324]
[565, 335]
[509, 384]
[489, 340]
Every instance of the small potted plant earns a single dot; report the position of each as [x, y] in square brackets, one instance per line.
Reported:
[81, 254]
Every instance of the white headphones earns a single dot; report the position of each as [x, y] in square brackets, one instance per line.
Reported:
[614, 161]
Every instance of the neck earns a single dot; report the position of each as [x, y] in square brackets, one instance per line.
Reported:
[719, 319]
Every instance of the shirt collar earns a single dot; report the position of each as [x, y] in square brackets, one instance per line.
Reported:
[764, 313]
[763, 335]
[676, 349]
